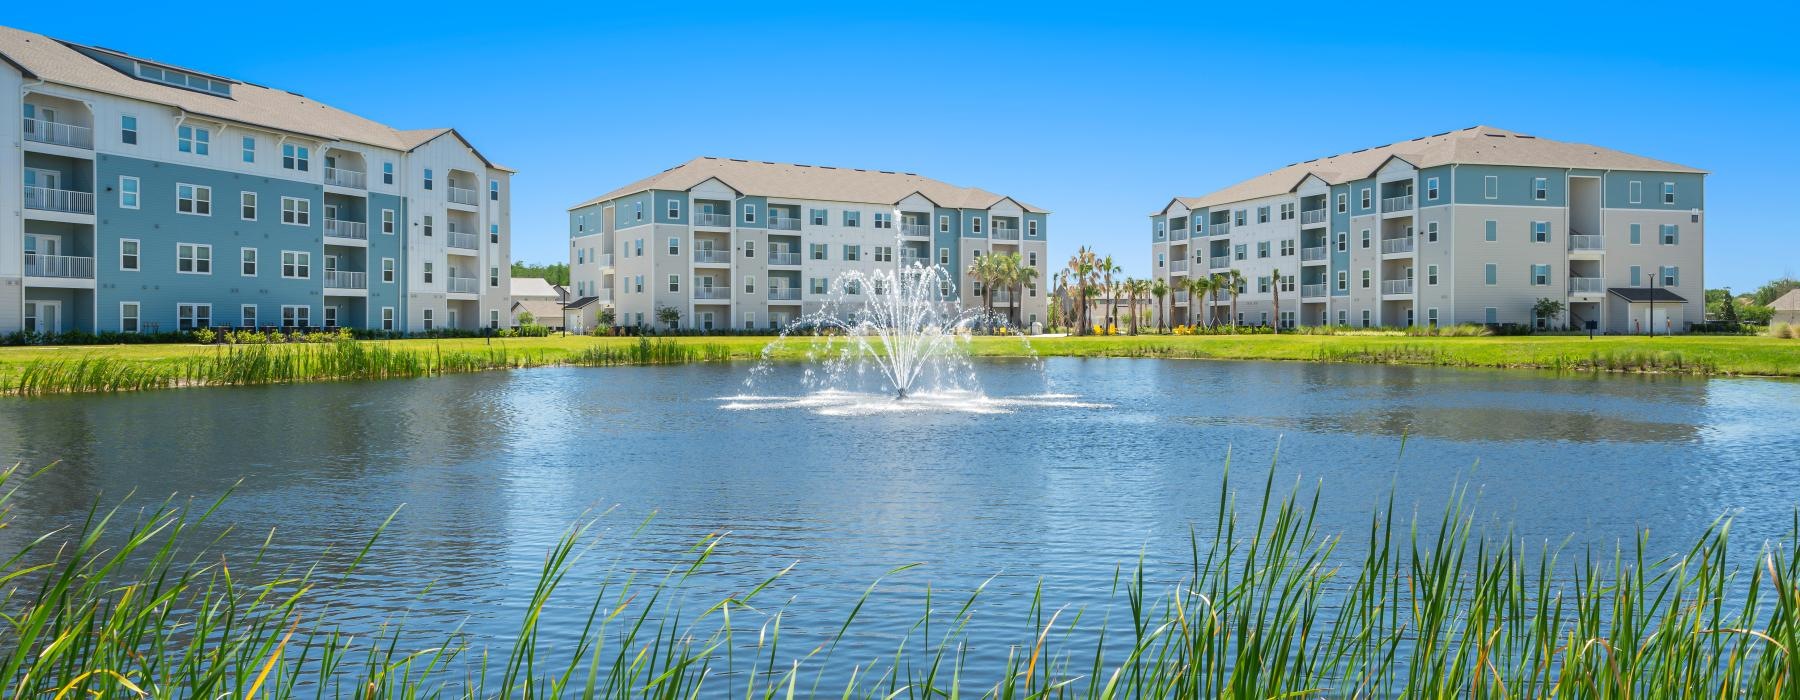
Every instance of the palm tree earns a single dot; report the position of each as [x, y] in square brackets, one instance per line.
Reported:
[1083, 266]
[981, 272]
[1107, 270]
[1275, 289]
[1021, 275]
[1234, 281]
[1136, 289]
[1197, 287]
[1221, 282]
[1160, 289]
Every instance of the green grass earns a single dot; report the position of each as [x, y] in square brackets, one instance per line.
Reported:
[39, 370]
[1267, 608]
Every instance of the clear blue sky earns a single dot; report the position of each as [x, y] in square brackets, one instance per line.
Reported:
[1099, 112]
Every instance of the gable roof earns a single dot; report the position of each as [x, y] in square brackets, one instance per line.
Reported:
[1478, 145]
[532, 287]
[793, 181]
[1787, 302]
[75, 65]
[1645, 294]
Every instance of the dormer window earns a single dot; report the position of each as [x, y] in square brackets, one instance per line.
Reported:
[168, 76]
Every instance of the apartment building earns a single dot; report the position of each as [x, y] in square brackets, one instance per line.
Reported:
[755, 245]
[1468, 226]
[145, 197]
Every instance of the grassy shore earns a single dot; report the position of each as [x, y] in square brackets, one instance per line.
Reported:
[34, 370]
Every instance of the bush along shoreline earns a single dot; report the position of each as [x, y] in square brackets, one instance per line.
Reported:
[1266, 606]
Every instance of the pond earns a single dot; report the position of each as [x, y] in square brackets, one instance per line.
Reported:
[492, 468]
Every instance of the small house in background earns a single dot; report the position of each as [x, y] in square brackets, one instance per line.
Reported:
[1787, 308]
[581, 315]
[544, 301]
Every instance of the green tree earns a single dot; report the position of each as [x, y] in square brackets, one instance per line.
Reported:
[1547, 310]
[557, 273]
[1768, 293]
[1160, 289]
[1275, 292]
[669, 316]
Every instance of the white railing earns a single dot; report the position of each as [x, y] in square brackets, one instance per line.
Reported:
[712, 292]
[1397, 245]
[344, 279]
[784, 293]
[703, 255]
[1004, 233]
[713, 220]
[468, 241]
[915, 229]
[784, 258]
[1311, 291]
[1179, 234]
[1220, 229]
[1314, 254]
[1181, 297]
[1000, 296]
[1179, 267]
[1582, 241]
[59, 134]
[353, 179]
[338, 228]
[65, 266]
[69, 201]
[1313, 216]
[1587, 285]
[463, 195]
[462, 285]
[605, 259]
[784, 223]
[1400, 203]
[1396, 287]
[1220, 261]
[603, 295]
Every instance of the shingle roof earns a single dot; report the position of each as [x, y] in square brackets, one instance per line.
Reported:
[1646, 294]
[1480, 145]
[65, 63]
[581, 303]
[532, 287]
[1787, 302]
[540, 309]
[791, 181]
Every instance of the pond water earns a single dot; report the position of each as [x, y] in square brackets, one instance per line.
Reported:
[1101, 461]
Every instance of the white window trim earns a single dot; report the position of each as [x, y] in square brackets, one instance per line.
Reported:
[197, 247]
[1490, 192]
[137, 192]
[137, 318]
[140, 255]
[196, 199]
[254, 312]
[255, 206]
[389, 272]
[297, 211]
[297, 254]
[255, 261]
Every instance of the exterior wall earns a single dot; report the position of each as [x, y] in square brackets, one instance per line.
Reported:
[12, 229]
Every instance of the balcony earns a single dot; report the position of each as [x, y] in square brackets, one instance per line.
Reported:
[784, 294]
[1220, 262]
[712, 220]
[466, 241]
[712, 292]
[462, 285]
[784, 223]
[1000, 296]
[69, 201]
[1314, 254]
[915, 229]
[1394, 204]
[354, 179]
[1391, 246]
[1581, 241]
[1181, 296]
[59, 134]
[354, 230]
[462, 195]
[604, 295]
[1397, 287]
[1312, 217]
[908, 258]
[1312, 291]
[784, 258]
[1223, 229]
[1004, 233]
[1179, 234]
[1178, 267]
[1587, 285]
[708, 255]
[62, 266]
[342, 279]
[604, 259]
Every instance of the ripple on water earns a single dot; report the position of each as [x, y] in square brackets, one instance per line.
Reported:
[836, 402]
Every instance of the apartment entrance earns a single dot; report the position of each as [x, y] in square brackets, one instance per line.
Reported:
[43, 316]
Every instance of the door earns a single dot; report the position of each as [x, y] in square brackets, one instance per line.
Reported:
[331, 317]
[331, 211]
[41, 253]
[331, 275]
[42, 187]
[43, 316]
[453, 319]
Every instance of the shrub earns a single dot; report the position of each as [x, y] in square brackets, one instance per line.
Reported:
[1779, 329]
[204, 336]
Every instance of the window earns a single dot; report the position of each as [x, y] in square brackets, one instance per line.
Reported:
[1287, 212]
[193, 139]
[296, 212]
[1239, 217]
[387, 178]
[193, 199]
[1287, 247]
[884, 220]
[387, 318]
[1431, 231]
[818, 250]
[1262, 285]
[128, 192]
[128, 254]
[638, 247]
[674, 246]
[852, 253]
[750, 284]
[1367, 238]
[426, 317]
[1637, 275]
[1368, 279]
[637, 284]
[1343, 203]
[817, 216]
[750, 213]
[1491, 230]
[128, 130]
[296, 316]
[1343, 280]
[674, 204]
[1031, 229]
[493, 277]
[1540, 275]
[387, 270]
[1343, 241]
[129, 312]
[1262, 215]
[1490, 187]
[1637, 234]
[387, 221]
[1031, 259]
[493, 233]
[1491, 273]
[818, 285]
[1343, 317]
[1668, 193]
[247, 315]
[1238, 252]
[297, 157]
[1671, 276]
[1540, 232]
[975, 224]
[674, 283]
[1431, 275]
[1431, 188]
[191, 316]
[637, 211]
[1262, 249]
[193, 258]
[428, 273]
[943, 224]
[749, 320]
[944, 256]
[1431, 317]
[428, 183]
[429, 226]
[1540, 188]
[1671, 234]
[1367, 199]
[749, 249]
[249, 149]
[247, 262]
[296, 264]
[494, 196]
[1634, 192]
[1366, 318]
[1491, 315]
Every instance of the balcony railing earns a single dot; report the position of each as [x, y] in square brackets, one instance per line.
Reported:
[605, 259]
[463, 195]
[1396, 286]
[1587, 285]
[1178, 267]
[466, 241]
[338, 228]
[712, 292]
[1000, 296]
[784, 293]
[1403, 244]
[713, 220]
[1582, 241]
[915, 229]
[1004, 233]
[64, 266]
[463, 285]
[46, 199]
[1221, 262]
[59, 134]
[784, 223]
[1181, 297]
[1314, 254]
[344, 279]
[1312, 291]
[1179, 234]
[1313, 216]
[1223, 229]
[1400, 203]
[603, 295]
[784, 258]
[706, 255]
[356, 180]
